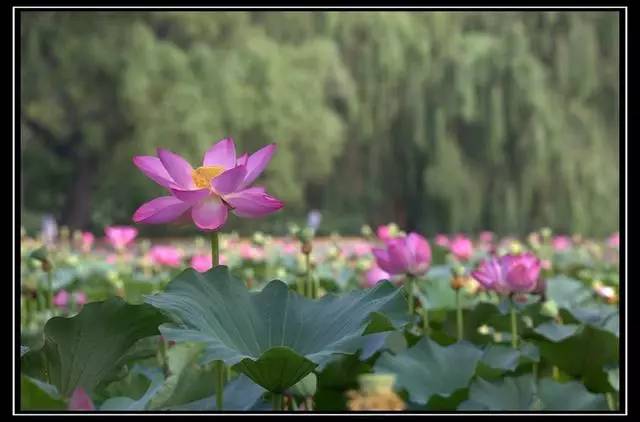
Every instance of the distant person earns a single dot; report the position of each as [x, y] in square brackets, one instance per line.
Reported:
[49, 229]
[313, 220]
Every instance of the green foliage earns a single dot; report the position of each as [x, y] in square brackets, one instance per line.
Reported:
[440, 121]
[275, 337]
[428, 369]
[88, 348]
[522, 393]
[38, 395]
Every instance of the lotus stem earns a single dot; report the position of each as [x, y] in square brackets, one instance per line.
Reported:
[409, 288]
[425, 321]
[308, 403]
[293, 406]
[276, 401]
[514, 327]
[215, 250]
[221, 372]
[556, 373]
[611, 401]
[50, 289]
[308, 282]
[459, 315]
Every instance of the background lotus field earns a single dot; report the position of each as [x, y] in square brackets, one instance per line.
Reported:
[204, 199]
[103, 340]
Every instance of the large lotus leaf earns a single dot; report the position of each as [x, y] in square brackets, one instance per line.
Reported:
[614, 378]
[569, 396]
[274, 336]
[155, 377]
[38, 395]
[339, 376]
[188, 380]
[306, 387]
[427, 369]
[519, 393]
[510, 393]
[600, 316]
[394, 341]
[239, 394]
[567, 293]
[587, 354]
[84, 350]
[437, 293]
[556, 332]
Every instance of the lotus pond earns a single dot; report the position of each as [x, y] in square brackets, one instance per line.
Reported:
[303, 324]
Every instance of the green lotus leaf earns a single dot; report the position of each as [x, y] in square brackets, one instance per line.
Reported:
[188, 381]
[519, 393]
[155, 377]
[86, 349]
[428, 369]
[569, 396]
[614, 378]
[275, 336]
[510, 393]
[556, 332]
[239, 394]
[586, 354]
[306, 387]
[567, 293]
[38, 395]
[502, 357]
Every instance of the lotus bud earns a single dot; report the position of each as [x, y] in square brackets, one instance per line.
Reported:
[293, 229]
[72, 260]
[515, 248]
[281, 273]
[550, 309]
[366, 231]
[376, 393]
[306, 248]
[258, 238]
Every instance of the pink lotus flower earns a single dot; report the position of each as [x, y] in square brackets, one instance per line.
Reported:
[361, 249]
[561, 243]
[80, 298]
[87, 241]
[404, 255]
[208, 192]
[251, 253]
[486, 237]
[80, 400]
[442, 240]
[606, 292]
[461, 247]
[384, 233]
[614, 240]
[374, 276]
[290, 248]
[202, 263]
[61, 299]
[509, 274]
[120, 236]
[165, 255]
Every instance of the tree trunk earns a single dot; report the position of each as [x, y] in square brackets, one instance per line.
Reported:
[77, 209]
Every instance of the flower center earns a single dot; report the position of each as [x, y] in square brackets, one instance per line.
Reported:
[202, 175]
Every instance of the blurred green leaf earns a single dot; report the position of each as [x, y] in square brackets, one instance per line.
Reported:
[427, 369]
